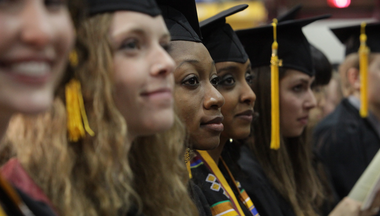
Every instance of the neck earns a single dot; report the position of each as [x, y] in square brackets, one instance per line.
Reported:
[216, 153]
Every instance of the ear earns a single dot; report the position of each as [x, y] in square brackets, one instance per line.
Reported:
[353, 78]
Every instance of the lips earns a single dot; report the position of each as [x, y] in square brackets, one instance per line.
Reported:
[303, 120]
[246, 115]
[213, 124]
[27, 70]
[158, 94]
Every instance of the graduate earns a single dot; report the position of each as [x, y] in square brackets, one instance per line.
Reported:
[276, 159]
[349, 137]
[36, 38]
[198, 102]
[110, 144]
[211, 169]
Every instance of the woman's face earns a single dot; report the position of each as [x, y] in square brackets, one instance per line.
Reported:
[374, 79]
[143, 72]
[296, 100]
[197, 100]
[35, 39]
[234, 85]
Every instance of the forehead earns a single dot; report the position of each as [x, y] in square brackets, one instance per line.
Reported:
[296, 74]
[127, 20]
[190, 51]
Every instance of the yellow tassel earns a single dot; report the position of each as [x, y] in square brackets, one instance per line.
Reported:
[275, 63]
[73, 58]
[187, 161]
[363, 56]
[76, 112]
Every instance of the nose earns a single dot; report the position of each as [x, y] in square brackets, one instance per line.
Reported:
[36, 29]
[311, 101]
[213, 99]
[163, 63]
[247, 95]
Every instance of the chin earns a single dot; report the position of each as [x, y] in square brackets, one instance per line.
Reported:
[206, 144]
[32, 107]
[159, 123]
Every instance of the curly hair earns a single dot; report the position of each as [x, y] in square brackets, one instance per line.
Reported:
[103, 174]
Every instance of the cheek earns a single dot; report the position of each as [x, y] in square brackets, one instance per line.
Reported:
[187, 104]
[62, 30]
[289, 105]
[231, 101]
[128, 78]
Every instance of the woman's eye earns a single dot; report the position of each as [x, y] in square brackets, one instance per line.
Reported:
[215, 81]
[130, 44]
[167, 47]
[191, 81]
[227, 81]
[298, 88]
[249, 78]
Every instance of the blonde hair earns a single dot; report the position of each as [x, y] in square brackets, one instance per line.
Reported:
[101, 175]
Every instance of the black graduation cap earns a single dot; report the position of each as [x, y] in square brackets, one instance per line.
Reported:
[349, 36]
[221, 40]
[322, 66]
[181, 18]
[290, 14]
[293, 47]
[143, 6]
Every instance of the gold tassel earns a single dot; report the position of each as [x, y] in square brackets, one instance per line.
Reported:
[76, 113]
[187, 161]
[275, 63]
[363, 56]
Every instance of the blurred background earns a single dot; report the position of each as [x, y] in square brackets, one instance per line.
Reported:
[259, 12]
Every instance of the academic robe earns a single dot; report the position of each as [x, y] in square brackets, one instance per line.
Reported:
[265, 197]
[346, 144]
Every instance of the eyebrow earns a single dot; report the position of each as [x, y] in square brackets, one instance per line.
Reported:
[228, 68]
[128, 30]
[189, 61]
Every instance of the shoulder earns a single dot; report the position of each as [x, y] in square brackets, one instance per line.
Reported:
[14, 172]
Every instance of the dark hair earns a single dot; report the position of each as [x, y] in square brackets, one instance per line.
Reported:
[289, 169]
[322, 66]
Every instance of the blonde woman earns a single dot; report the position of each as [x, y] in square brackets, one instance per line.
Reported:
[125, 161]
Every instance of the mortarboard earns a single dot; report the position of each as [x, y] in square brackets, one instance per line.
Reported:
[322, 66]
[148, 7]
[275, 45]
[349, 36]
[361, 39]
[290, 14]
[221, 40]
[293, 47]
[181, 18]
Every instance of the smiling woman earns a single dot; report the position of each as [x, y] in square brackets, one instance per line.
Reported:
[126, 78]
[35, 39]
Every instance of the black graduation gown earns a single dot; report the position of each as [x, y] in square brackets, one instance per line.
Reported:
[199, 200]
[265, 197]
[346, 144]
[37, 208]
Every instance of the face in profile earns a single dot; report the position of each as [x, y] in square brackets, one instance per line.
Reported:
[296, 101]
[197, 100]
[234, 85]
[35, 39]
[374, 79]
[143, 72]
